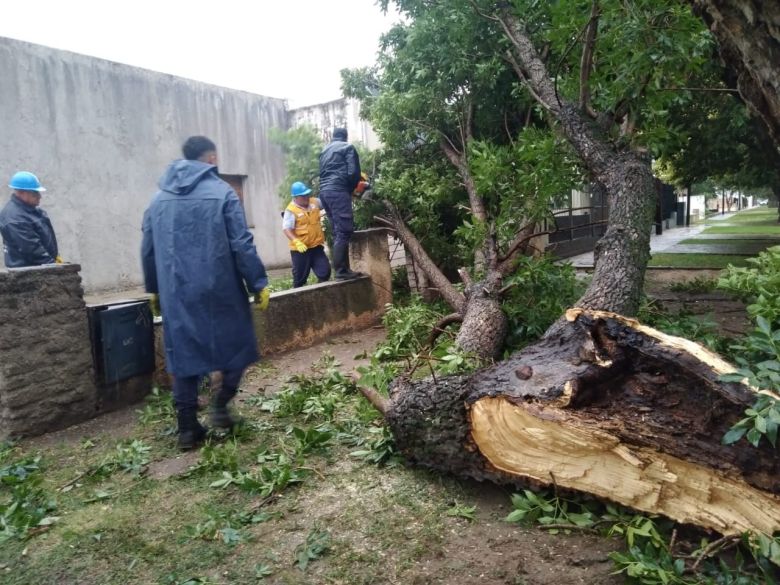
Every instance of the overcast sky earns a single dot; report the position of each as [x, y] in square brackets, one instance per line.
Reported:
[290, 49]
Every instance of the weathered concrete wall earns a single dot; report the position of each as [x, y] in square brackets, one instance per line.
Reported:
[99, 135]
[45, 360]
[301, 317]
[304, 316]
[47, 379]
[343, 113]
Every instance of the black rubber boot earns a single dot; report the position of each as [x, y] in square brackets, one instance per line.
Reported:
[221, 417]
[341, 263]
[191, 432]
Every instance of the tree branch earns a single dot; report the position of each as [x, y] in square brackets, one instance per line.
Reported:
[523, 237]
[376, 399]
[412, 246]
[593, 152]
[586, 63]
[458, 160]
[465, 277]
[524, 78]
[438, 329]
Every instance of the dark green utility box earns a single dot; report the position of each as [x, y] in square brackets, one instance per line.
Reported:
[122, 340]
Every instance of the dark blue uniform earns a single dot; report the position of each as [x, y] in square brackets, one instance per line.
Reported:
[339, 175]
[28, 236]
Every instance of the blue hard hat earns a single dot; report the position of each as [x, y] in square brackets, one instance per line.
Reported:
[299, 189]
[25, 181]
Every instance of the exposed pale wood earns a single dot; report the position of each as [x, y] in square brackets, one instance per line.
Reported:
[607, 406]
[543, 444]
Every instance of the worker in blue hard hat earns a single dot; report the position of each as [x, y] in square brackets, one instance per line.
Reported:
[302, 225]
[28, 236]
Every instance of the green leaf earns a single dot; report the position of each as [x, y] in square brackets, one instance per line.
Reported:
[764, 325]
[515, 516]
[754, 437]
[734, 435]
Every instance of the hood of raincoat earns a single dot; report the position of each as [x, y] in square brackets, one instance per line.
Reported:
[182, 176]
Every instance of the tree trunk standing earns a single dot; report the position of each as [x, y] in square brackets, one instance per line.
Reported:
[748, 36]
[485, 325]
[621, 255]
[607, 407]
[776, 193]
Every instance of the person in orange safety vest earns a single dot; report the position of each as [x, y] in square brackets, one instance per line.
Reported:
[302, 226]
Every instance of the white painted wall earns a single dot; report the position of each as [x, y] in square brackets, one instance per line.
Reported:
[341, 113]
[99, 135]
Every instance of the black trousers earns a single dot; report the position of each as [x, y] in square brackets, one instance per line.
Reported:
[304, 262]
[185, 388]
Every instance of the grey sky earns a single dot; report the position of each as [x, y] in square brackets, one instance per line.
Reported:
[289, 49]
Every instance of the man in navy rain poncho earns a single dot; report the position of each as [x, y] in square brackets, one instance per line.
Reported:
[198, 255]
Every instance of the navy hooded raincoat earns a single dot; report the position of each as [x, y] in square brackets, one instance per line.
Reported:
[197, 253]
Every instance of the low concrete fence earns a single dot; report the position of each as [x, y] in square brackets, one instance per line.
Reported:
[46, 371]
[47, 376]
[304, 316]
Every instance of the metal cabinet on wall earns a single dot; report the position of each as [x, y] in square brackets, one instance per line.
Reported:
[122, 340]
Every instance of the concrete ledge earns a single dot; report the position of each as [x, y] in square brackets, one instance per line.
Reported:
[304, 316]
[47, 379]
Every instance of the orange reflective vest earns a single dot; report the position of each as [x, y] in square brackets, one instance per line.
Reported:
[308, 227]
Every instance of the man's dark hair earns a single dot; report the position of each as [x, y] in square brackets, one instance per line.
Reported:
[196, 146]
[340, 134]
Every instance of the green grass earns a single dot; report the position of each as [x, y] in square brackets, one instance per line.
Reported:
[718, 261]
[753, 221]
[759, 228]
[722, 242]
[733, 246]
[124, 528]
[759, 215]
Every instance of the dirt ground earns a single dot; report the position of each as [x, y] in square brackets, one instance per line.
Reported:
[423, 545]
[360, 503]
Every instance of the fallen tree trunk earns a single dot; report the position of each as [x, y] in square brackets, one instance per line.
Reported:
[605, 406]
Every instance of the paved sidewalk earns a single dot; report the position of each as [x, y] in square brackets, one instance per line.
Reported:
[663, 243]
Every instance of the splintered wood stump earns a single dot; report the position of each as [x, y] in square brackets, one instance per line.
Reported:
[605, 406]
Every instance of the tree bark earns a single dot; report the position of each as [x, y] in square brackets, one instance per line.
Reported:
[605, 406]
[621, 255]
[748, 35]
[412, 246]
[485, 324]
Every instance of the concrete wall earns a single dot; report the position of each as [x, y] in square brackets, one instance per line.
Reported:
[99, 135]
[343, 113]
[47, 373]
[304, 316]
[47, 379]
[45, 358]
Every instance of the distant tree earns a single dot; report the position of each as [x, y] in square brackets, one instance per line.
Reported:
[301, 146]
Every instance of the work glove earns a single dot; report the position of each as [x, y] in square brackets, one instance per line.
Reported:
[154, 304]
[300, 246]
[262, 298]
[58, 260]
